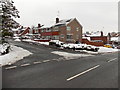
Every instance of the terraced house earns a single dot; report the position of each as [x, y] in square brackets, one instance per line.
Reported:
[67, 30]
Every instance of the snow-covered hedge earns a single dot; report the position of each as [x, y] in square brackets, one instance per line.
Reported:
[4, 48]
[73, 46]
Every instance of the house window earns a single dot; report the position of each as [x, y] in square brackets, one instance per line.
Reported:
[43, 37]
[62, 36]
[42, 30]
[48, 30]
[56, 29]
[30, 31]
[77, 29]
[48, 37]
[77, 36]
[36, 30]
[68, 28]
[55, 37]
[69, 36]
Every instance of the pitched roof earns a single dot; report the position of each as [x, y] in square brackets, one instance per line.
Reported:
[95, 34]
[64, 22]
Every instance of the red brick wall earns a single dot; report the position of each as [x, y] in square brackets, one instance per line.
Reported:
[46, 33]
[92, 43]
[55, 33]
[104, 39]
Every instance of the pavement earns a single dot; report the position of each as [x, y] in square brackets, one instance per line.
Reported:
[43, 69]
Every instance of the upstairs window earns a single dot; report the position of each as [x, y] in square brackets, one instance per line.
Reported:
[48, 30]
[56, 29]
[77, 29]
[42, 30]
[68, 28]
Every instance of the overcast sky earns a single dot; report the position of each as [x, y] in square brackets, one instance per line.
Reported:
[93, 15]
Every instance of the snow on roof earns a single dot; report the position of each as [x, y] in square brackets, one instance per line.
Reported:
[14, 29]
[64, 22]
[97, 33]
[61, 22]
[117, 39]
[88, 38]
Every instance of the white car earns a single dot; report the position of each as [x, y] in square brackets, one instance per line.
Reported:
[79, 46]
[92, 48]
[68, 46]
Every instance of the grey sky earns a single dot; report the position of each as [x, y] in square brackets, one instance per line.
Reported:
[92, 15]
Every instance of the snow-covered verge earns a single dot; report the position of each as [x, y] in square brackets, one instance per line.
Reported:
[102, 50]
[67, 55]
[32, 41]
[105, 49]
[14, 55]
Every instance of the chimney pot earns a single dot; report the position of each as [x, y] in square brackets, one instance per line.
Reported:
[101, 33]
[57, 20]
[39, 25]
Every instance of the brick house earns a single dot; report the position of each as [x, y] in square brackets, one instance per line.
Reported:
[33, 32]
[67, 30]
[98, 39]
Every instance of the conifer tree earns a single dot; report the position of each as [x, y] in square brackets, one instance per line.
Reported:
[8, 13]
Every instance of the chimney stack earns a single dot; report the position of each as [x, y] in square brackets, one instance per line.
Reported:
[57, 20]
[101, 33]
[39, 25]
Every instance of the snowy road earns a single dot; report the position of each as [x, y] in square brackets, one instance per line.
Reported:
[44, 69]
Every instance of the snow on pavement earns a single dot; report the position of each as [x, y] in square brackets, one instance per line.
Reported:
[15, 54]
[67, 55]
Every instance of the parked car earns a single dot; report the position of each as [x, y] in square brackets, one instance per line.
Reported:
[108, 45]
[56, 43]
[118, 47]
[92, 48]
[80, 46]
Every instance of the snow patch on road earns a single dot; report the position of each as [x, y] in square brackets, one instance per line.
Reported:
[67, 55]
[17, 40]
[45, 43]
[15, 54]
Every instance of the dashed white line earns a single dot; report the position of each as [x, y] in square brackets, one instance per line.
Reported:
[82, 72]
[46, 60]
[23, 65]
[37, 62]
[54, 59]
[11, 67]
[112, 60]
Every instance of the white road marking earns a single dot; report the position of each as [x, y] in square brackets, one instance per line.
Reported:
[23, 65]
[11, 67]
[37, 62]
[112, 60]
[82, 72]
[46, 60]
[54, 59]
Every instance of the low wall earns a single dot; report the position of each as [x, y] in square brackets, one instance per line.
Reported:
[92, 43]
